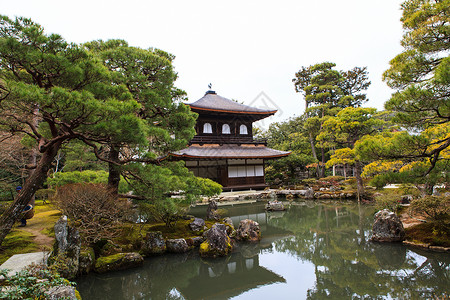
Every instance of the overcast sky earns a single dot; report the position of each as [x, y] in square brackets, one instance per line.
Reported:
[244, 48]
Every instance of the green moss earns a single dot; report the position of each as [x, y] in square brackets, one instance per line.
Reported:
[433, 233]
[104, 261]
[77, 294]
[17, 242]
[204, 247]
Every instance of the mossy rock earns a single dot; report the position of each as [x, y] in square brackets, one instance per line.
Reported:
[217, 243]
[119, 261]
[86, 260]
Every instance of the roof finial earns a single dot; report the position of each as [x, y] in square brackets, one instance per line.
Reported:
[210, 85]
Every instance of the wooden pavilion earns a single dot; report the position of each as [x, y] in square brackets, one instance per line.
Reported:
[224, 149]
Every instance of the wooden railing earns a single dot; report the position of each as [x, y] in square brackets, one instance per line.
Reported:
[226, 140]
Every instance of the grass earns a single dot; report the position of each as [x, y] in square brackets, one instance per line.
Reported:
[433, 233]
[17, 242]
[22, 240]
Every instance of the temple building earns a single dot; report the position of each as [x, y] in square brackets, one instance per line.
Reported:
[224, 149]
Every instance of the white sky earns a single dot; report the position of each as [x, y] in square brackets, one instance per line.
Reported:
[242, 47]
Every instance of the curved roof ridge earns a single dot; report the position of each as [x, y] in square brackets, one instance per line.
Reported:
[213, 102]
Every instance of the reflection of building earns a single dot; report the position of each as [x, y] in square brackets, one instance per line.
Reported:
[223, 148]
[236, 274]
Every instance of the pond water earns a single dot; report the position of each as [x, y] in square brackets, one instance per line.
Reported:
[309, 251]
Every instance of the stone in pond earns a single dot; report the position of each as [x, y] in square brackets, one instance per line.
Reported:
[387, 227]
[154, 243]
[177, 245]
[248, 231]
[275, 206]
[217, 243]
[119, 261]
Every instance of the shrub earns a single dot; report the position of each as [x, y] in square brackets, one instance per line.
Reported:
[437, 208]
[166, 211]
[388, 201]
[93, 209]
[333, 178]
[31, 283]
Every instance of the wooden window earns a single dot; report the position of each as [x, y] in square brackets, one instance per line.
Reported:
[243, 129]
[226, 129]
[207, 128]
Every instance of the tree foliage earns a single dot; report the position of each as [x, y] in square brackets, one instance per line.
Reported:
[421, 74]
[118, 100]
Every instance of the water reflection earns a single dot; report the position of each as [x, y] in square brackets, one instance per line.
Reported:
[309, 251]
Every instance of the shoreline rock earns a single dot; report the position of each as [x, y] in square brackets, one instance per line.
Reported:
[387, 227]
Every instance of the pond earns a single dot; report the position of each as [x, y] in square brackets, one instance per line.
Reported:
[309, 251]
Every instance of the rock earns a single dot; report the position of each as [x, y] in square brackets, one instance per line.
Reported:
[275, 206]
[197, 225]
[66, 250]
[249, 231]
[272, 195]
[211, 211]
[177, 246]
[228, 221]
[229, 225]
[195, 241]
[154, 243]
[119, 261]
[61, 292]
[387, 227]
[309, 194]
[61, 233]
[217, 243]
[406, 199]
[86, 261]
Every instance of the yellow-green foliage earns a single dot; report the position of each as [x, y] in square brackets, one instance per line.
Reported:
[437, 208]
[379, 167]
[342, 156]
[432, 233]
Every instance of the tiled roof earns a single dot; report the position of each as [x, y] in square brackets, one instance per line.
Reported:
[229, 151]
[213, 102]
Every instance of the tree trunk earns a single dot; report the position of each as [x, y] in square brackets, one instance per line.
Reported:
[322, 167]
[32, 184]
[314, 153]
[359, 181]
[114, 171]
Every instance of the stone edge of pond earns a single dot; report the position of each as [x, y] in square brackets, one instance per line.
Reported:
[243, 197]
[427, 246]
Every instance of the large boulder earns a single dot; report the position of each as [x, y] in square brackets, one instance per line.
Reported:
[217, 243]
[119, 261]
[197, 224]
[154, 243]
[275, 206]
[387, 227]
[66, 250]
[178, 246]
[248, 231]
